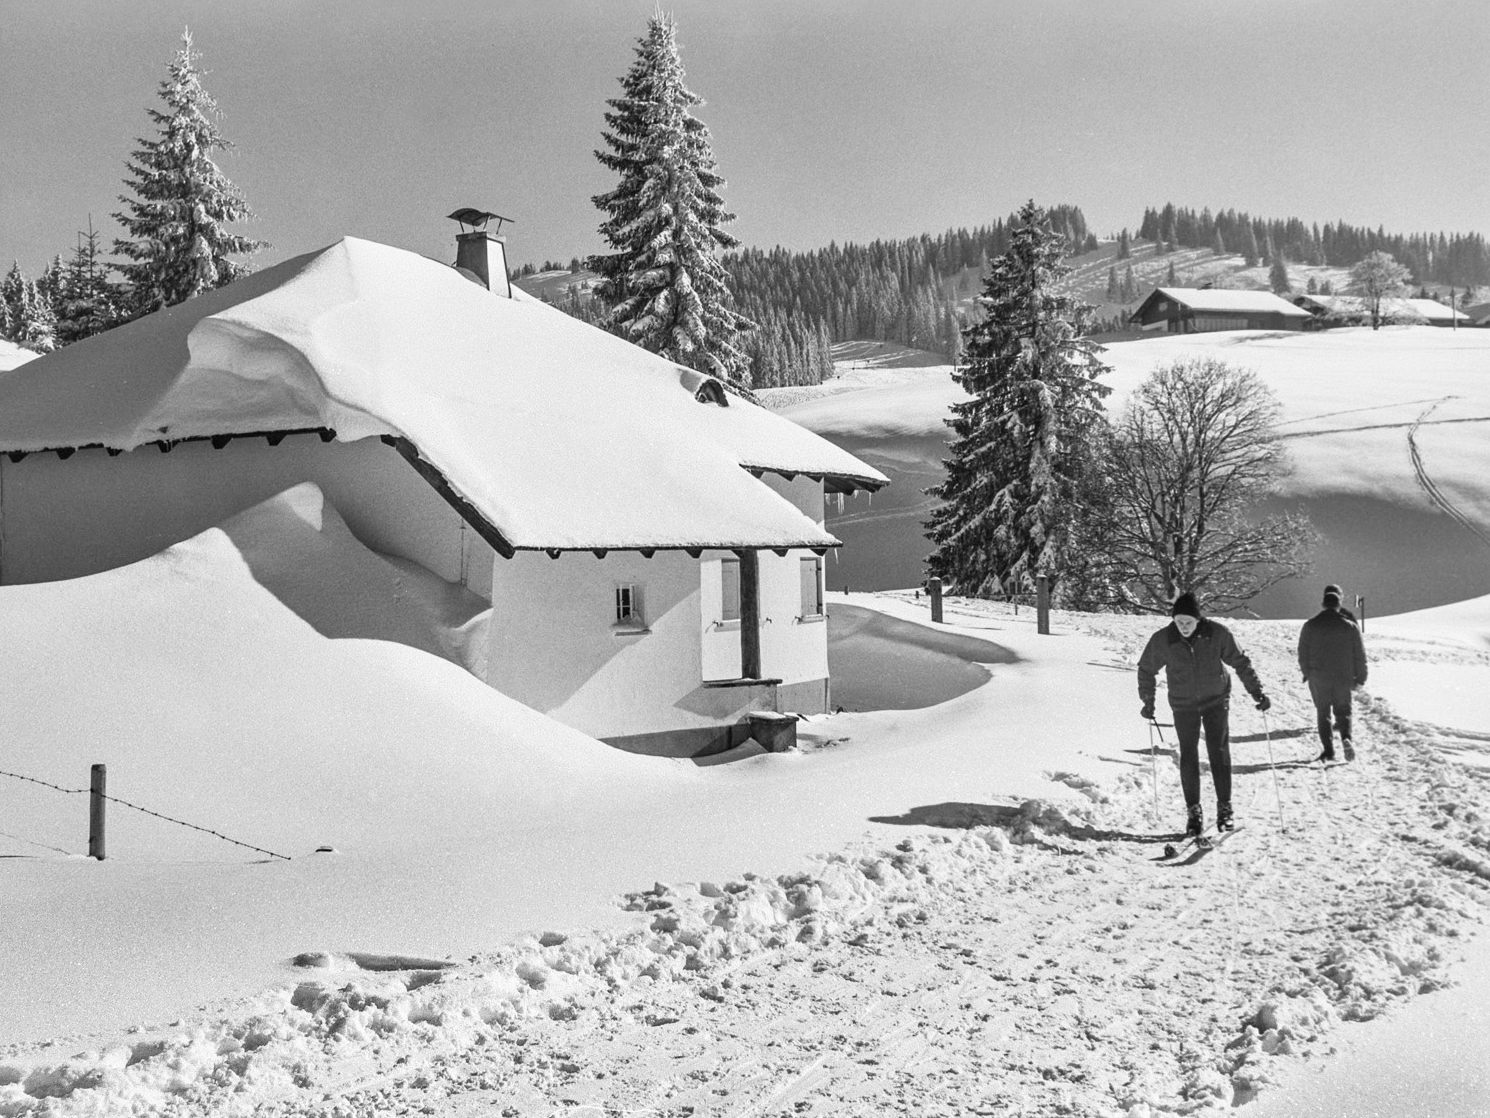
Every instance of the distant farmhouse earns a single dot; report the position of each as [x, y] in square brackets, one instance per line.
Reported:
[1192, 310]
[651, 544]
[1351, 310]
[1478, 314]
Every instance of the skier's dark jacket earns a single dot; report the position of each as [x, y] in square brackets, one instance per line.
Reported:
[1194, 667]
[1331, 649]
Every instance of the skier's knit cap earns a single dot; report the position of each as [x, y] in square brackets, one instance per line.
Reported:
[1335, 590]
[1331, 600]
[1186, 603]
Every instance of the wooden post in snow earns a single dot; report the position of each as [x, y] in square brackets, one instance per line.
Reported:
[934, 588]
[97, 789]
[750, 614]
[1360, 605]
[1042, 605]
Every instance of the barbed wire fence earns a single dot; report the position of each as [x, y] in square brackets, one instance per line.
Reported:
[134, 806]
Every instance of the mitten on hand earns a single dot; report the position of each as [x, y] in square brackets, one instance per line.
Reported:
[1147, 713]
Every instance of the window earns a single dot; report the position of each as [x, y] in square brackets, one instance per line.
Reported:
[812, 587]
[629, 606]
[729, 590]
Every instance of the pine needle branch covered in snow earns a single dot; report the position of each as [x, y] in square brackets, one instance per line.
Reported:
[180, 202]
[663, 285]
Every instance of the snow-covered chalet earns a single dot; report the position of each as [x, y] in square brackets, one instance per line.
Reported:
[1192, 310]
[651, 545]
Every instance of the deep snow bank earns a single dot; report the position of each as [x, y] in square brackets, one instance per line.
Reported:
[213, 704]
[299, 549]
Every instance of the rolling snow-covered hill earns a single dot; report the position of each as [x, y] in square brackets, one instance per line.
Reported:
[1386, 431]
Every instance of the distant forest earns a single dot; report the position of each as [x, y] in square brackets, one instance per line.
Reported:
[917, 291]
[1460, 260]
[901, 291]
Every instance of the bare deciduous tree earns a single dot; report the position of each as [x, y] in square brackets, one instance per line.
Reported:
[1192, 453]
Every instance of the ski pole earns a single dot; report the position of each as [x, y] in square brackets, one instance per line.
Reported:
[1277, 789]
[1154, 766]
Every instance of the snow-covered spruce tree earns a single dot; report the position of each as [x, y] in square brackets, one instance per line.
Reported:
[180, 204]
[662, 284]
[30, 320]
[1017, 464]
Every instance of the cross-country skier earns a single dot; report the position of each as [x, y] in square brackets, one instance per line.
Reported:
[1192, 650]
[1332, 657]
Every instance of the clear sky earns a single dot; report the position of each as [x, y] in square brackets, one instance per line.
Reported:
[832, 120]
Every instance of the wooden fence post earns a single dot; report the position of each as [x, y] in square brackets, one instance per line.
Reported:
[1360, 604]
[934, 587]
[97, 789]
[1042, 604]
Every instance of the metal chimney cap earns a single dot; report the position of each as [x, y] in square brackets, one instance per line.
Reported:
[477, 219]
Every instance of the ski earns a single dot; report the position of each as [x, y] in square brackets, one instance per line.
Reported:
[1194, 847]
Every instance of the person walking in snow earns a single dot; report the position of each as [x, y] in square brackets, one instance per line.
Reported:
[1332, 657]
[1193, 652]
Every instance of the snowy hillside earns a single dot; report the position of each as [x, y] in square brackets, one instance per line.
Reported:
[1386, 432]
[12, 355]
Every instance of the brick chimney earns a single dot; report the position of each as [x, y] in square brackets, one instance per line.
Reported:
[482, 255]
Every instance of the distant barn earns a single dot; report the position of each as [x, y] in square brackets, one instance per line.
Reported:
[1352, 310]
[1192, 310]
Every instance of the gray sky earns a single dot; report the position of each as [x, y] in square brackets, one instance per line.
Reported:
[832, 120]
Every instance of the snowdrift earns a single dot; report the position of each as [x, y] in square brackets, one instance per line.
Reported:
[212, 703]
[299, 549]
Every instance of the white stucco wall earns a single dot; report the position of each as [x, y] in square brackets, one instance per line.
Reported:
[92, 512]
[613, 683]
[608, 682]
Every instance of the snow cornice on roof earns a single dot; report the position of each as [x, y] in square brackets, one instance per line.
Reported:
[543, 432]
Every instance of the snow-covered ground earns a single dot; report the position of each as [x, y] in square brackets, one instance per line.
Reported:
[12, 355]
[951, 909]
[946, 910]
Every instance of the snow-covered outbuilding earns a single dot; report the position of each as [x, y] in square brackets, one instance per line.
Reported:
[1190, 310]
[651, 545]
[1352, 310]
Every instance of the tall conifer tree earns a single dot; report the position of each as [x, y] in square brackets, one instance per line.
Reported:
[180, 203]
[1009, 497]
[663, 284]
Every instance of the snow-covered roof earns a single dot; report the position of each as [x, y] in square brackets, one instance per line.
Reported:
[558, 435]
[1226, 301]
[1428, 309]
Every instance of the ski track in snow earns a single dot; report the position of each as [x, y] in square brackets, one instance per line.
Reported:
[1427, 484]
[1027, 959]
